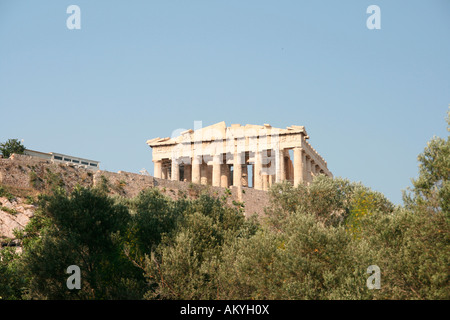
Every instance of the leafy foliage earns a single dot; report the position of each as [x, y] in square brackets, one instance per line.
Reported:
[11, 283]
[431, 191]
[185, 265]
[11, 146]
[83, 229]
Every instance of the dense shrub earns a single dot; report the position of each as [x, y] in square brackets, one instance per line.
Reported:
[186, 264]
[83, 229]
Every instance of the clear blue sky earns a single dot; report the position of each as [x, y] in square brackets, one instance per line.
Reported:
[369, 99]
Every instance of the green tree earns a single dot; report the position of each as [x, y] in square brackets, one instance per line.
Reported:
[11, 146]
[308, 261]
[411, 248]
[365, 202]
[186, 262]
[333, 201]
[85, 229]
[153, 216]
[11, 281]
[431, 190]
[414, 242]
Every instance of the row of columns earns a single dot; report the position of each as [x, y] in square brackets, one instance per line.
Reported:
[303, 170]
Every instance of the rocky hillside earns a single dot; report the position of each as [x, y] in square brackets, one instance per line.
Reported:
[23, 178]
[14, 214]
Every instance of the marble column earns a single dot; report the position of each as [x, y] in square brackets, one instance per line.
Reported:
[157, 169]
[196, 170]
[258, 171]
[237, 170]
[216, 174]
[298, 166]
[225, 172]
[308, 169]
[265, 182]
[164, 172]
[175, 170]
[280, 174]
[204, 174]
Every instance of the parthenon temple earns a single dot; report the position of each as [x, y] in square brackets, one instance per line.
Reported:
[243, 156]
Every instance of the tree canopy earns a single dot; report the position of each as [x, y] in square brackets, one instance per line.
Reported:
[11, 146]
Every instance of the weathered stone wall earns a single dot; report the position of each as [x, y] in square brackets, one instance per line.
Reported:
[27, 175]
[123, 183]
[30, 173]
[254, 201]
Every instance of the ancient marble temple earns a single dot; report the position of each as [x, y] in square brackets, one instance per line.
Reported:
[243, 156]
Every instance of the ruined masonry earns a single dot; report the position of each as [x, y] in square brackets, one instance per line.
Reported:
[242, 156]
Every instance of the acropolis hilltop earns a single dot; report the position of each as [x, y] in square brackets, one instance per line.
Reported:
[242, 156]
